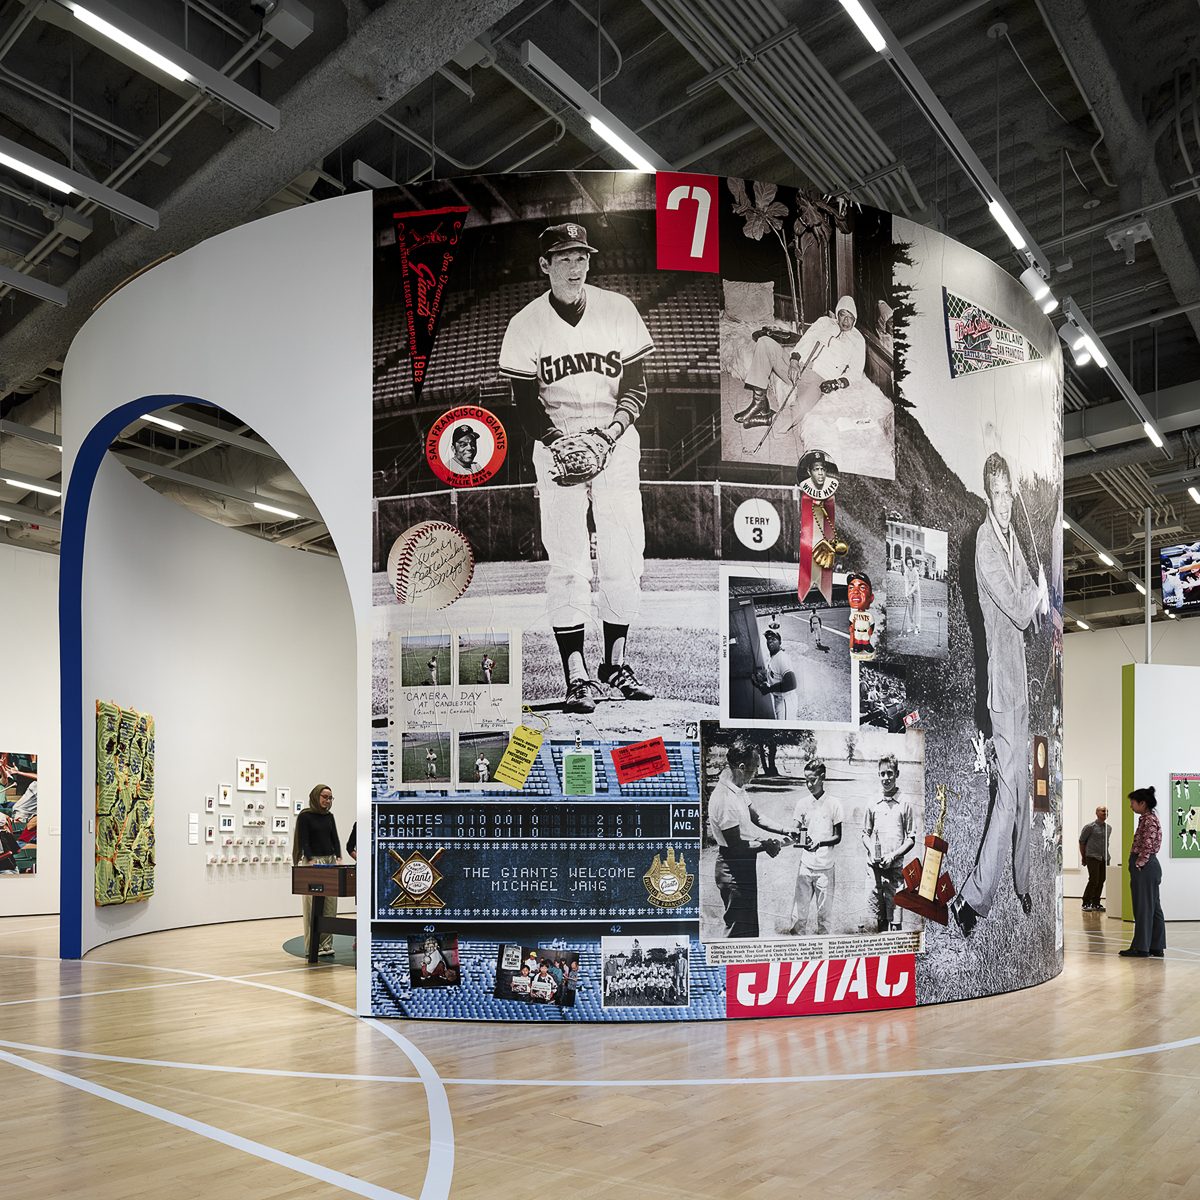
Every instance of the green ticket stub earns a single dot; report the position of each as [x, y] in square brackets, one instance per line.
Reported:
[579, 773]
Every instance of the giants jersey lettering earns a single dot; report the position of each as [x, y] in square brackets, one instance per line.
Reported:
[578, 367]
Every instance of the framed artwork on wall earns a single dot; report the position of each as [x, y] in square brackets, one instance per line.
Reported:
[225, 794]
[283, 797]
[252, 774]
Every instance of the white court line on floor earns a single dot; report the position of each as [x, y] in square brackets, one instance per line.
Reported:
[440, 1168]
[145, 987]
[27, 929]
[303, 1166]
[912, 1073]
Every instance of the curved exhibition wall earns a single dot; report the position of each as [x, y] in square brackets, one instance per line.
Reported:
[714, 631]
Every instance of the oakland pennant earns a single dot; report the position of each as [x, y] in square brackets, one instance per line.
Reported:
[978, 341]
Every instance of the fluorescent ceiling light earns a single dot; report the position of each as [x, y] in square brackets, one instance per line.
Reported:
[130, 43]
[866, 26]
[171, 425]
[1001, 217]
[604, 123]
[55, 175]
[1152, 434]
[1082, 624]
[1141, 590]
[1170, 616]
[35, 173]
[1195, 495]
[283, 512]
[114, 23]
[30, 485]
[619, 144]
[1066, 523]
[1090, 346]
[4, 518]
[1108, 562]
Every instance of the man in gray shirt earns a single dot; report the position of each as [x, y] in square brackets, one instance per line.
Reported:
[1093, 851]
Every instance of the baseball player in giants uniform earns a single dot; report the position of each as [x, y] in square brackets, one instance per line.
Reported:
[575, 359]
[432, 665]
[486, 667]
[430, 764]
[778, 679]
[483, 765]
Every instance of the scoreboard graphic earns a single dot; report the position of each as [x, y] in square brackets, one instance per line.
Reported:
[628, 852]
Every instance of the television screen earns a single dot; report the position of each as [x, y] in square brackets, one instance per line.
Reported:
[1180, 566]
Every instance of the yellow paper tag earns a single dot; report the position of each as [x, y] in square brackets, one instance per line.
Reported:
[517, 761]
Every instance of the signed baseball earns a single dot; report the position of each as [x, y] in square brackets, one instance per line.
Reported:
[430, 564]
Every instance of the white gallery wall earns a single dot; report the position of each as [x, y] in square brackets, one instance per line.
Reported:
[243, 320]
[1165, 742]
[29, 710]
[1092, 665]
[238, 648]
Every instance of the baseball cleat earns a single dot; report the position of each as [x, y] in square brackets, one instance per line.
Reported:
[964, 916]
[622, 679]
[756, 399]
[760, 413]
[580, 696]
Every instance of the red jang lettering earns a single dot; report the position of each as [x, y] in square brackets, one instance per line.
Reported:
[821, 985]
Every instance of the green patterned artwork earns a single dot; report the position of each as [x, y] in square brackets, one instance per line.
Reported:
[124, 804]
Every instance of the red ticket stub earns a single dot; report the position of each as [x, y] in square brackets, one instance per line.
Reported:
[640, 760]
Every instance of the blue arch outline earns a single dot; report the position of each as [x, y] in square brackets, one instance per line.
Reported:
[78, 500]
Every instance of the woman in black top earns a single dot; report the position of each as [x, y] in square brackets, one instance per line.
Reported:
[316, 841]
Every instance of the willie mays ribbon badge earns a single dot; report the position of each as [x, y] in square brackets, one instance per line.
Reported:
[427, 241]
[817, 477]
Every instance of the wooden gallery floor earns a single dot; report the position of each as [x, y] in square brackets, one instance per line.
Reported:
[208, 1063]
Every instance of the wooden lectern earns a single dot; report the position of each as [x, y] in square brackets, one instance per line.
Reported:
[319, 881]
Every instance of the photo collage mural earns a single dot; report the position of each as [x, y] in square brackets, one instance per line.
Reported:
[717, 633]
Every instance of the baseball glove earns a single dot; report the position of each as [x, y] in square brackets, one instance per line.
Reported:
[826, 551]
[579, 457]
[833, 385]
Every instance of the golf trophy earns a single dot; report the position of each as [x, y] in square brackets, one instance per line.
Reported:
[927, 888]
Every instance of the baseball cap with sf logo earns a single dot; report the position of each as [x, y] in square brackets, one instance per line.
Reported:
[564, 237]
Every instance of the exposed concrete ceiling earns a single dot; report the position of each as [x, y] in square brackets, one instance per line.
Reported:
[1086, 114]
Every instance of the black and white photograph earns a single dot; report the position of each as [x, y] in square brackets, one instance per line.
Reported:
[917, 589]
[597, 534]
[645, 972]
[807, 322]
[479, 755]
[433, 960]
[808, 838]
[785, 661]
[984, 466]
[883, 697]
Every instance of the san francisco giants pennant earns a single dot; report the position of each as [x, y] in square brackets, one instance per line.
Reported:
[427, 242]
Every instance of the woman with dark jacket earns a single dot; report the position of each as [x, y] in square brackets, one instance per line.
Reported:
[316, 841]
[1145, 875]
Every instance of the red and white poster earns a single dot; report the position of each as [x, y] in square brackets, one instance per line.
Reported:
[838, 985]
